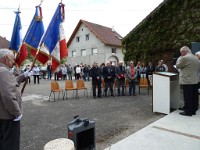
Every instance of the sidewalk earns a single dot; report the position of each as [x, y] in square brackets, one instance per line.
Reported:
[172, 132]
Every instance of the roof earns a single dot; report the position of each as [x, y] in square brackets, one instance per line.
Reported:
[4, 43]
[105, 34]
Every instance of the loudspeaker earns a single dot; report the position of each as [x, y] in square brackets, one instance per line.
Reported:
[195, 47]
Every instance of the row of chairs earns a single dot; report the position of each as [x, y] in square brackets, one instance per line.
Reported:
[69, 86]
[80, 85]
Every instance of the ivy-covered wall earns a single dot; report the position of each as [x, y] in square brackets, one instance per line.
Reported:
[170, 26]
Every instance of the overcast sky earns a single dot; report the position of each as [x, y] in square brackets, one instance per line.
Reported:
[123, 15]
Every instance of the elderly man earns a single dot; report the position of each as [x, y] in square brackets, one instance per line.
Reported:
[109, 78]
[189, 69]
[120, 76]
[10, 102]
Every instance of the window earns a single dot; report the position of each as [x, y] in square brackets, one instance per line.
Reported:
[113, 50]
[73, 53]
[94, 51]
[77, 38]
[87, 37]
[83, 52]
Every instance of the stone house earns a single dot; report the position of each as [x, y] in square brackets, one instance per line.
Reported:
[91, 42]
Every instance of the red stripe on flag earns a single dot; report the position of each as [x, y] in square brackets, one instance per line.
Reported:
[21, 55]
[63, 49]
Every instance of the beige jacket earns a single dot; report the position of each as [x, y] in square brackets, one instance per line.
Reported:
[10, 93]
[189, 69]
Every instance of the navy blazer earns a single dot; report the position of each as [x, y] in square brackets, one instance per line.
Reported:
[106, 73]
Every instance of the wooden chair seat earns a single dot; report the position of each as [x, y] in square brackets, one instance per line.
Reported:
[55, 89]
[144, 84]
[69, 86]
[80, 85]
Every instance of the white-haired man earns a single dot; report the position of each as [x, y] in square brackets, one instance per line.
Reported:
[189, 69]
[10, 102]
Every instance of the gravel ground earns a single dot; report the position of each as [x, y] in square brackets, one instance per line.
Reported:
[115, 117]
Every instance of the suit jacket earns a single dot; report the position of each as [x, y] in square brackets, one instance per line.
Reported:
[107, 74]
[128, 74]
[120, 72]
[10, 93]
[95, 72]
[189, 69]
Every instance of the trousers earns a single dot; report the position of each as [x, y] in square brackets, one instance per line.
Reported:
[9, 135]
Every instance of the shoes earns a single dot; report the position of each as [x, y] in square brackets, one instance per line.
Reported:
[185, 114]
[117, 95]
[99, 96]
[113, 95]
[94, 97]
[123, 95]
[134, 95]
[194, 113]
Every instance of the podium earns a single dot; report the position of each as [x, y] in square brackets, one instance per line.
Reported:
[166, 92]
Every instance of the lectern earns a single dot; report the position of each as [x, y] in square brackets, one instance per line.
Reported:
[166, 92]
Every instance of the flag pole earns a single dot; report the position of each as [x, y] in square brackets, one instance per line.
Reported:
[26, 81]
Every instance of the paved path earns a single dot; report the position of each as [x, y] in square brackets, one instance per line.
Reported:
[115, 117]
[172, 132]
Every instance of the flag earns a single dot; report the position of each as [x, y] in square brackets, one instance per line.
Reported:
[21, 55]
[16, 38]
[54, 39]
[34, 35]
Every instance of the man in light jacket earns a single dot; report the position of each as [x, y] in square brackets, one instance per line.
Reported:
[10, 102]
[189, 67]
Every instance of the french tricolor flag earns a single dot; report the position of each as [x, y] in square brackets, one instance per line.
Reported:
[54, 39]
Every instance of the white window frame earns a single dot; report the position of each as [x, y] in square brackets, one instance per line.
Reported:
[94, 51]
[83, 52]
[73, 53]
[113, 49]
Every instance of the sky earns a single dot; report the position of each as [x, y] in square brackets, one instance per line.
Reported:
[122, 15]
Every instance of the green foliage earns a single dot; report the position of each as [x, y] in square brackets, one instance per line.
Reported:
[170, 26]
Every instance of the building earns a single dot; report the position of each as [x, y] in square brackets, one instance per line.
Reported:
[163, 32]
[92, 42]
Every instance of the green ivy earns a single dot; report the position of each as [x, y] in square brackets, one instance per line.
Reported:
[170, 26]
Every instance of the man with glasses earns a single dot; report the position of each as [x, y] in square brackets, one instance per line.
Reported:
[10, 102]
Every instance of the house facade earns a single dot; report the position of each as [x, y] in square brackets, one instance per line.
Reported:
[92, 42]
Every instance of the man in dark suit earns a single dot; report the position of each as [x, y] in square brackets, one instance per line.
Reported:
[109, 77]
[96, 79]
[120, 76]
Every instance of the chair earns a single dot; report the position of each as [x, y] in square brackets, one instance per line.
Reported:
[80, 85]
[144, 84]
[55, 88]
[69, 86]
[126, 85]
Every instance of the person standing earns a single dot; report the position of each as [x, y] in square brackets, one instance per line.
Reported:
[69, 71]
[131, 75]
[49, 71]
[120, 75]
[64, 72]
[10, 102]
[109, 77]
[189, 67]
[149, 73]
[36, 74]
[96, 79]
[160, 67]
